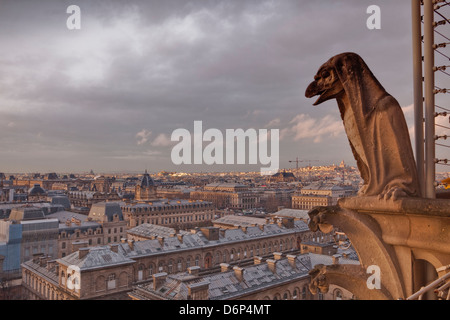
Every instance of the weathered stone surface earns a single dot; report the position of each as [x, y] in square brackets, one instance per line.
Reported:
[374, 123]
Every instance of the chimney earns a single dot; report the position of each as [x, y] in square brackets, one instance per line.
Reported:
[82, 252]
[51, 264]
[114, 248]
[198, 291]
[244, 229]
[211, 233]
[335, 258]
[131, 244]
[161, 240]
[272, 264]
[224, 267]
[37, 257]
[180, 237]
[258, 260]
[277, 255]
[123, 240]
[288, 223]
[292, 261]
[194, 271]
[43, 261]
[159, 279]
[77, 245]
[239, 273]
[261, 227]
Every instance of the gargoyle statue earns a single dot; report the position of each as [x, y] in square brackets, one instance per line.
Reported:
[319, 281]
[375, 126]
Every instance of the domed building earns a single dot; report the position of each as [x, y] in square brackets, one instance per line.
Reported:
[37, 193]
[146, 189]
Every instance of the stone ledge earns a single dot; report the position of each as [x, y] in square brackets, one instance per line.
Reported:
[419, 206]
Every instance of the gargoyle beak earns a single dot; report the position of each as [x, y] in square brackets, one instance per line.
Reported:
[313, 90]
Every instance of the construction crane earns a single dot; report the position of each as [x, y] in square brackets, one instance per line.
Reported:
[297, 161]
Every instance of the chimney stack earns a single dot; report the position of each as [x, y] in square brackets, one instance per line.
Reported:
[82, 252]
[239, 273]
[43, 261]
[131, 244]
[292, 260]
[194, 271]
[224, 267]
[180, 237]
[198, 291]
[161, 240]
[272, 264]
[159, 279]
[277, 255]
[114, 248]
[258, 260]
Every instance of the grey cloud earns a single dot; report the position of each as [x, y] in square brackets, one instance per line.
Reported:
[160, 65]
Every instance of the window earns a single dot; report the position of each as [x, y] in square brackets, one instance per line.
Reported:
[141, 273]
[337, 294]
[150, 269]
[304, 293]
[111, 281]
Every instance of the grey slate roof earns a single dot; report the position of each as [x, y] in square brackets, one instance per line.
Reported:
[197, 240]
[149, 230]
[225, 285]
[292, 213]
[97, 257]
[105, 211]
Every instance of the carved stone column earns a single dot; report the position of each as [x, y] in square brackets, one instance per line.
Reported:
[393, 235]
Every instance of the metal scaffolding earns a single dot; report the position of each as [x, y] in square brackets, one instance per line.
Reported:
[425, 89]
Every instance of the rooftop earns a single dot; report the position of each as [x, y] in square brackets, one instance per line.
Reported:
[292, 213]
[105, 211]
[199, 240]
[228, 285]
[93, 258]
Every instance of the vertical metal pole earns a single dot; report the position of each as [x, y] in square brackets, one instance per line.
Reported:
[418, 90]
[430, 156]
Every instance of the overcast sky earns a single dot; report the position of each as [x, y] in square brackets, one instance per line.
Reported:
[108, 97]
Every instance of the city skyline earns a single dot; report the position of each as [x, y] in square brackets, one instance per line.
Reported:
[108, 96]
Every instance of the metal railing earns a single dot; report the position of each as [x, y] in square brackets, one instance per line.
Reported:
[441, 287]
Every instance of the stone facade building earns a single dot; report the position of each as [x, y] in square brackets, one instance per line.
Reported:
[282, 277]
[228, 195]
[205, 249]
[85, 199]
[146, 190]
[180, 214]
[90, 273]
[105, 224]
[318, 195]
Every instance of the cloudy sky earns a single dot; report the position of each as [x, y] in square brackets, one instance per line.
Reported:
[107, 97]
